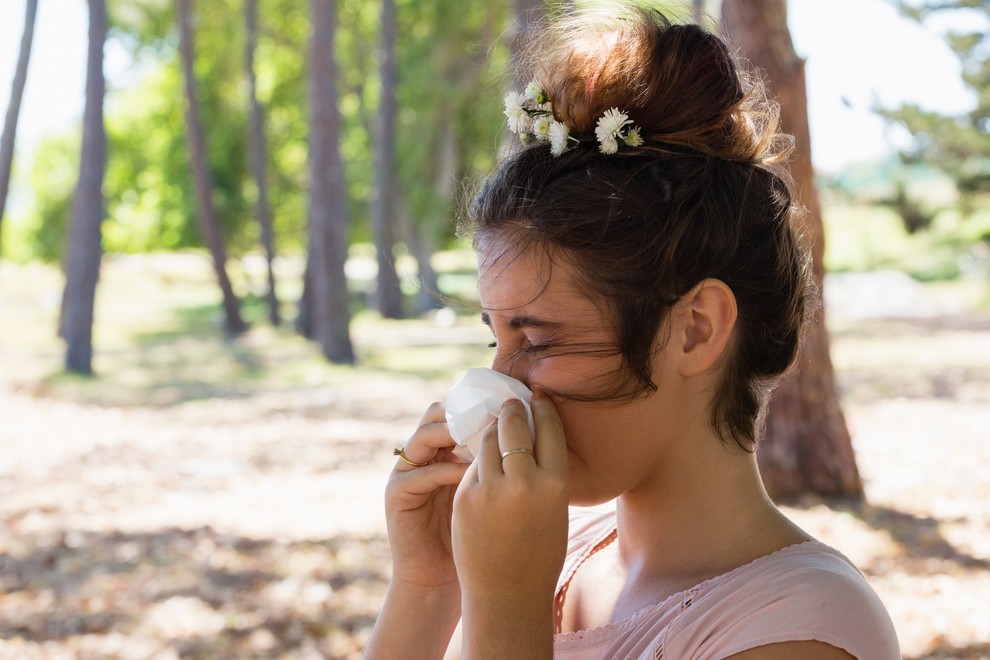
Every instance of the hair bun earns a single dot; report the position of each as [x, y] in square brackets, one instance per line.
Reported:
[678, 83]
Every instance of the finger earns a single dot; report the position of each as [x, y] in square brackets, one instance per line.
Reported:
[424, 444]
[551, 445]
[513, 434]
[437, 412]
[417, 455]
[409, 489]
[435, 434]
[489, 458]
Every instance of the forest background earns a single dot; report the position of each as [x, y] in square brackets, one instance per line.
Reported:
[214, 490]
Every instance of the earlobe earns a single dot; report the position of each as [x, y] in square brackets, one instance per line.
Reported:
[709, 315]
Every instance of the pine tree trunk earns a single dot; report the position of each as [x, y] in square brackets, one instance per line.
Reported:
[422, 235]
[209, 223]
[421, 247]
[327, 297]
[83, 253]
[807, 448]
[14, 105]
[258, 158]
[388, 295]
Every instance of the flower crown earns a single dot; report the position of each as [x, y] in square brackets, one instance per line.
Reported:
[530, 116]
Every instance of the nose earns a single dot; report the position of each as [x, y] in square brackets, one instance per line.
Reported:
[502, 363]
[511, 364]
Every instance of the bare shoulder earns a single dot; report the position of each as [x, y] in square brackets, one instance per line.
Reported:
[809, 650]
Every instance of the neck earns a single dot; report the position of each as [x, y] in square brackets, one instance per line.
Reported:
[727, 521]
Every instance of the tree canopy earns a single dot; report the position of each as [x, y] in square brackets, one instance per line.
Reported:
[450, 86]
[959, 145]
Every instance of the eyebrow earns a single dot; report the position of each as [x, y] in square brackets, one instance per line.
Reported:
[524, 321]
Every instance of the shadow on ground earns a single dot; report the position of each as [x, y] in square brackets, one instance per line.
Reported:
[200, 592]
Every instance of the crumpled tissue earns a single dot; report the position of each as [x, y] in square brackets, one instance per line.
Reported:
[475, 400]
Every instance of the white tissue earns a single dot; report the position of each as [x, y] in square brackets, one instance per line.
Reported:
[475, 400]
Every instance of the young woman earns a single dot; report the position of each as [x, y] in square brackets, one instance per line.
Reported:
[641, 271]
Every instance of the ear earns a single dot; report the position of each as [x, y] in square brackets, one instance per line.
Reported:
[707, 316]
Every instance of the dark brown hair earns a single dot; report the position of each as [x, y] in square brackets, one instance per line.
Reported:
[703, 197]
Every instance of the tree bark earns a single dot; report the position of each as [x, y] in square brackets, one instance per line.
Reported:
[388, 294]
[14, 104]
[209, 223]
[327, 298]
[84, 251]
[257, 121]
[807, 447]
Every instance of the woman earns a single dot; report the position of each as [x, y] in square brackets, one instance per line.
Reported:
[641, 272]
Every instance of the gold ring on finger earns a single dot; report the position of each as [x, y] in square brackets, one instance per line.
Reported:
[400, 452]
[518, 450]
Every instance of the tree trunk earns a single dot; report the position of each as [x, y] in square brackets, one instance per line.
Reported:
[388, 295]
[14, 105]
[327, 296]
[82, 260]
[304, 308]
[422, 235]
[258, 157]
[209, 224]
[421, 247]
[807, 447]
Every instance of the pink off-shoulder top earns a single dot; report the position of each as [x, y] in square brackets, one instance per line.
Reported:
[807, 591]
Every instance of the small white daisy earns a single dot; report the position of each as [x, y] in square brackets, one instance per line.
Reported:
[610, 124]
[559, 137]
[608, 146]
[534, 91]
[519, 120]
[541, 128]
[633, 137]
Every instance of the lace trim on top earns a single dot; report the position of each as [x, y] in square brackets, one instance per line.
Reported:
[558, 601]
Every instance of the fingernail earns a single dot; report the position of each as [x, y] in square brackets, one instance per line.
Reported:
[510, 402]
[539, 394]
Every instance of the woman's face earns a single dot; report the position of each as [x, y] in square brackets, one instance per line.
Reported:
[553, 337]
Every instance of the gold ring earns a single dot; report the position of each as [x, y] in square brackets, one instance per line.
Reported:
[398, 451]
[518, 450]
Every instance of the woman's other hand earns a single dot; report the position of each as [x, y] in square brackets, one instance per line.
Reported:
[418, 505]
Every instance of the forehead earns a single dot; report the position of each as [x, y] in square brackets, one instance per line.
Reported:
[513, 278]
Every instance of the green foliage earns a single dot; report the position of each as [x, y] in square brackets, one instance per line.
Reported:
[869, 237]
[453, 71]
[450, 86]
[958, 145]
[449, 96]
[53, 178]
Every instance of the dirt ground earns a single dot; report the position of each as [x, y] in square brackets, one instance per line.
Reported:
[248, 522]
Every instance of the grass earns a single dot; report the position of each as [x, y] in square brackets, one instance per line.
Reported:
[158, 338]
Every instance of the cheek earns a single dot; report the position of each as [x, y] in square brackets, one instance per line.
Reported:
[574, 375]
[585, 426]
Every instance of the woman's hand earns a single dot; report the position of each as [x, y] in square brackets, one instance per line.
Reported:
[418, 505]
[510, 534]
[423, 603]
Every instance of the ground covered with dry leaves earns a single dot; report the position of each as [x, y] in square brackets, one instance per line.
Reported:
[229, 505]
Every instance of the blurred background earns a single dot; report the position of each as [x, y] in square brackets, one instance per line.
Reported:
[230, 284]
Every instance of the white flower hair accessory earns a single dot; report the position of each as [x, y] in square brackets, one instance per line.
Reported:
[530, 116]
